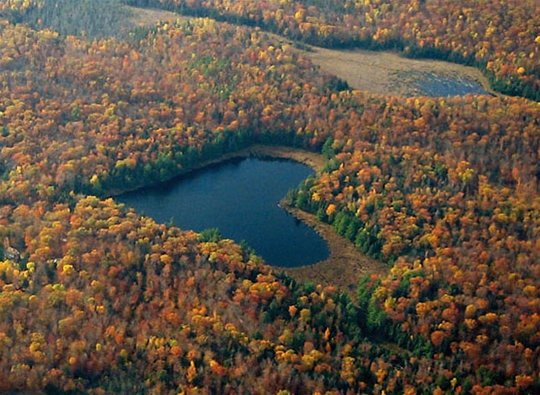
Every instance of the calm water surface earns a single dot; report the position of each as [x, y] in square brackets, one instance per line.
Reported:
[240, 197]
[437, 84]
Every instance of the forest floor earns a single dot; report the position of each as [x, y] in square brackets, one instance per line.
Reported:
[380, 72]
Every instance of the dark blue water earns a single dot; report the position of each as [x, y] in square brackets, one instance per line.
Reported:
[240, 197]
[432, 84]
[424, 83]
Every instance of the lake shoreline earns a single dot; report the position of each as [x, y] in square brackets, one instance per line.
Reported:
[382, 72]
[345, 264]
[308, 158]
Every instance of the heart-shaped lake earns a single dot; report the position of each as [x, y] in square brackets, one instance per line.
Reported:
[239, 197]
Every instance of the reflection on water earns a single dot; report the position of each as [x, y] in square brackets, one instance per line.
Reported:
[435, 84]
[240, 197]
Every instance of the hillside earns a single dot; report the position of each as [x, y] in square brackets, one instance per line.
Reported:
[500, 37]
[96, 298]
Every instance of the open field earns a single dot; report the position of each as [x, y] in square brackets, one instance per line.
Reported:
[388, 73]
[380, 72]
[144, 17]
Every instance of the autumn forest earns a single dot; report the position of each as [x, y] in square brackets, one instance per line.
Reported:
[442, 192]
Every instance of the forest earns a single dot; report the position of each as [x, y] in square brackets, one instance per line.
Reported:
[96, 298]
[501, 37]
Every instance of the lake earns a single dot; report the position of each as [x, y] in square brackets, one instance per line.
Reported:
[239, 197]
[441, 85]
[438, 84]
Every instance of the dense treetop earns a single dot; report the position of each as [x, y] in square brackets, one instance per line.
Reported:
[501, 37]
[97, 298]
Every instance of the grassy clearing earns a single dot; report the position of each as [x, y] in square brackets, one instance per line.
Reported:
[146, 17]
[379, 72]
[387, 73]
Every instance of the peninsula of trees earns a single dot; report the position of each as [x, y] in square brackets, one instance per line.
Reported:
[95, 298]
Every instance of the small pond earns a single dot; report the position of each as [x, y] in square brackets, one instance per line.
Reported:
[439, 84]
[239, 197]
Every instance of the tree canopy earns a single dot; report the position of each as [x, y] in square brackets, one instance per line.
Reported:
[97, 298]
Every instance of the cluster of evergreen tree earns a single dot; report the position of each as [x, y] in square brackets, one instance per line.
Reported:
[88, 18]
[96, 298]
